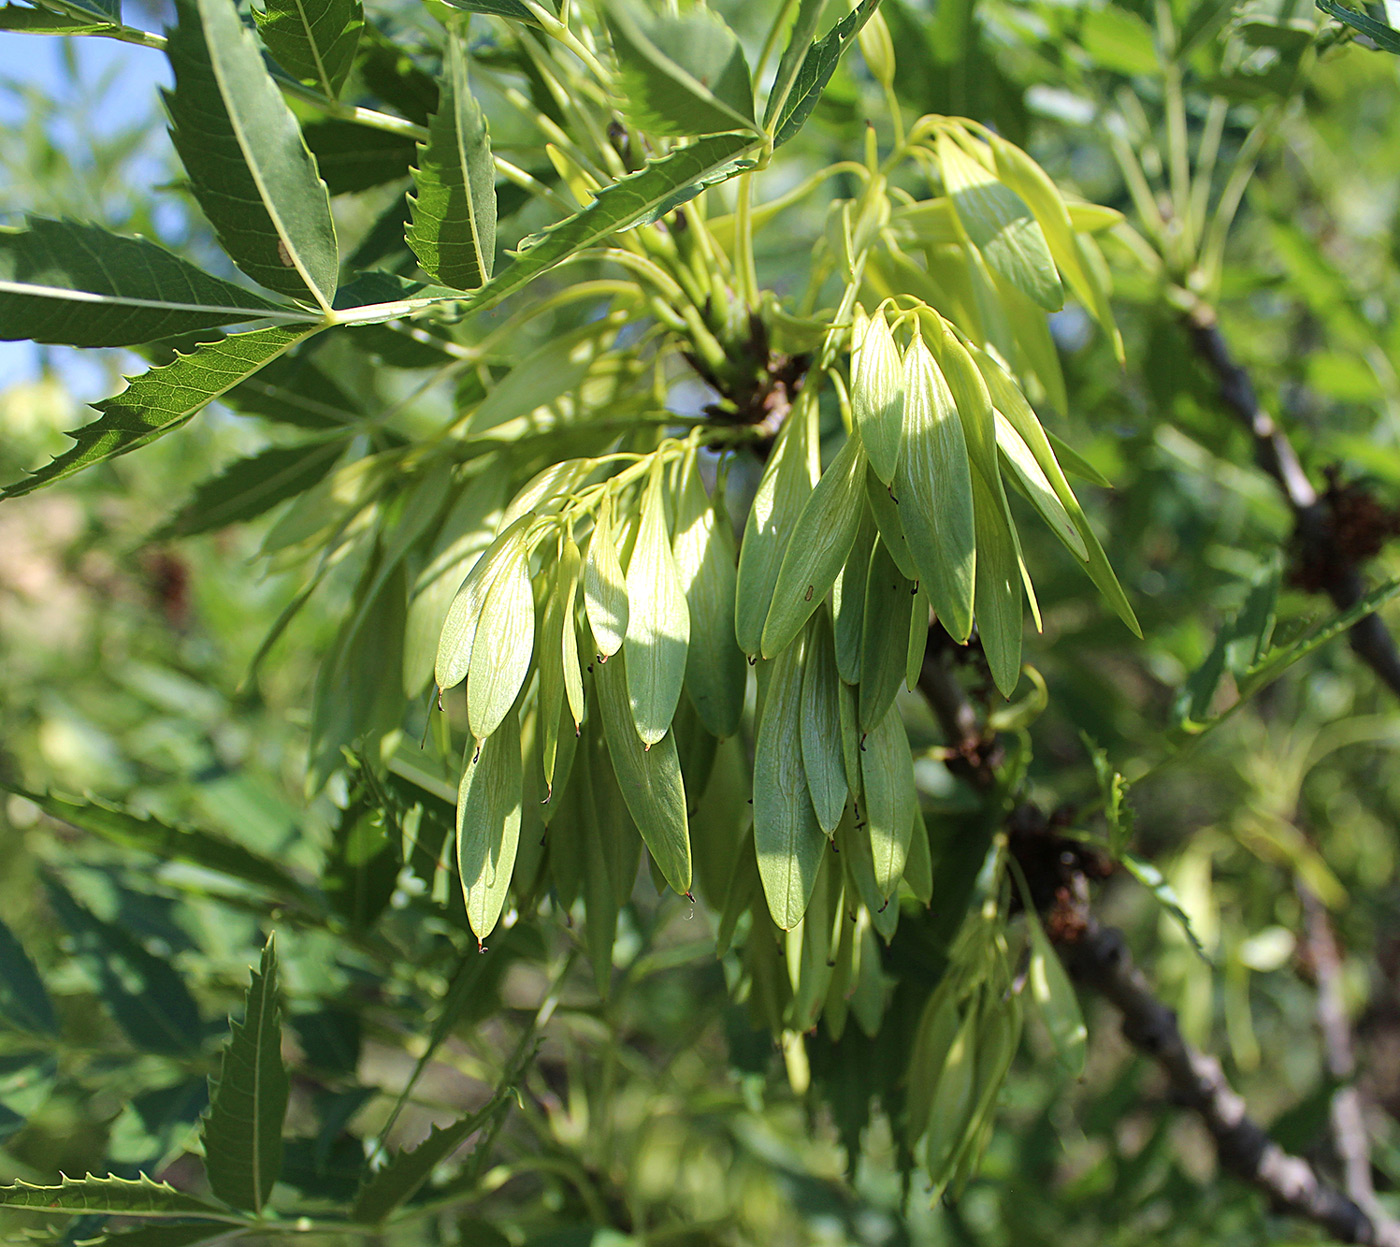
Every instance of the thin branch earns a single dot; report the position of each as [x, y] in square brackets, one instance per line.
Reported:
[1274, 453]
[1099, 959]
[1349, 1135]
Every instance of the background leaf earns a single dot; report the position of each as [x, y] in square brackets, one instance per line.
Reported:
[23, 1001]
[817, 67]
[243, 1132]
[313, 40]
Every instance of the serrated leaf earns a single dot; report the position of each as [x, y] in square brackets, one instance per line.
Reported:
[23, 1001]
[24, 20]
[313, 40]
[251, 487]
[242, 1133]
[821, 727]
[888, 799]
[703, 547]
[145, 995]
[488, 824]
[81, 285]
[817, 547]
[604, 585]
[999, 618]
[1378, 32]
[817, 67]
[1165, 895]
[361, 869]
[782, 492]
[658, 626]
[653, 190]
[1000, 226]
[680, 74]
[512, 9]
[934, 489]
[407, 1171]
[803, 34]
[503, 646]
[453, 230]
[458, 636]
[788, 839]
[650, 779]
[168, 843]
[161, 400]
[117, 1197]
[877, 395]
[248, 165]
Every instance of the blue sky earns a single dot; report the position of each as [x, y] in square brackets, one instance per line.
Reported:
[32, 63]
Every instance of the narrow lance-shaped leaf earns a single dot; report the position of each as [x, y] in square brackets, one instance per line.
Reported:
[642, 196]
[820, 541]
[817, 67]
[934, 488]
[680, 75]
[1017, 456]
[999, 225]
[821, 727]
[1055, 997]
[453, 230]
[787, 480]
[458, 636]
[650, 779]
[877, 395]
[161, 400]
[512, 9]
[604, 586]
[569, 565]
[249, 168]
[999, 617]
[503, 645]
[804, 32]
[313, 40]
[889, 798]
[787, 837]
[243, 1132]
[81, 285]
[488, 824]
[884, 636]
[715, 672]
[658, 628]
[116, 1197]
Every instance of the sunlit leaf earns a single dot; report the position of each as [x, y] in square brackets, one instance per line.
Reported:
[313, 40]
[488, 823]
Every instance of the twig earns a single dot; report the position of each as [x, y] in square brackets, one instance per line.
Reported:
[1349, 1135]
[1274, 453]
[1099, 959]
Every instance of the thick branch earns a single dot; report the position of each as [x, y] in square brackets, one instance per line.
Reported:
[1274, 453]
[1099, 959]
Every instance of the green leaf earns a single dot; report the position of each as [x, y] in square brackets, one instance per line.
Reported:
[877, 395]
[361, 868]
[488, 823]
[243, 1132]
[604, 586]
[817, 67]
[182, 844]
[117, 1197]
[788, 839]
[453, 230]
[934, 488]
[294, 389]
[459, 629]
[503, 646]
[103, 10]
[166, 1236]
[804, 31]
[313, 40]
[80, 285]
[658, 627]
[512, 9]
[1054, 996]
[407, 1171]
[680, 74]
[1378, 32]
[787, 479]
[889, 799]
[998, 575]
[650, 779]
[848, 597]
[248, 165]
[161, 400]
[351, 157]
[24, 20]
[23, 1001]
[817, 547]
[1016, 455]
[251, 487]
[884, 636]
[1165, 895]
[1000, 226]
[715, 672]
[821, 727]
[1113, 790]
[145, 995]
[633, 200]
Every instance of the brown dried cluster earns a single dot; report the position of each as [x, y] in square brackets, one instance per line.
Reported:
[1346, 527]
